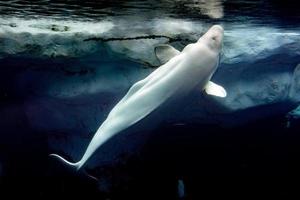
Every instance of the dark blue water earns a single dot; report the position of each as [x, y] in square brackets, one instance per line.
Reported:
[65, 64]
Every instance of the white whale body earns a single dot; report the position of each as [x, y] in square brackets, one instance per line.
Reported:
[180, 73]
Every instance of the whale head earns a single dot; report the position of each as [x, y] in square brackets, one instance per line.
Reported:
[207, 49]
[213, 38]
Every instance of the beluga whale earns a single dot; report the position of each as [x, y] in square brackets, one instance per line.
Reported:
[179, 74]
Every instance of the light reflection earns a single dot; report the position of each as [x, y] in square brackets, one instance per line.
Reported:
[212, 8]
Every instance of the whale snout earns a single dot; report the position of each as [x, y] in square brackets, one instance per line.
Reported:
[216, 33]
[214, 37]
[217, 28]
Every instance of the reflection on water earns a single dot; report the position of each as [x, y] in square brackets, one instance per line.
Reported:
[211, 8]
[261, 12]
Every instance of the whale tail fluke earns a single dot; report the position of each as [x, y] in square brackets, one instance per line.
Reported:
[76, 165]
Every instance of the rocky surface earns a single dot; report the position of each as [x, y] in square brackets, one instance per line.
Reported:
[55, 38]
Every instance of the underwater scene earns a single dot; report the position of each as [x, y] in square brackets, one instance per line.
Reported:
[150, 99]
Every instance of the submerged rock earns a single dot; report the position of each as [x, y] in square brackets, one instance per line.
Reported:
[52, 27]
[292, 116]
[75, 39]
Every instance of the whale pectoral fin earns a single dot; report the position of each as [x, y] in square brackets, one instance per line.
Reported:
[212, 88]
[165, 52]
